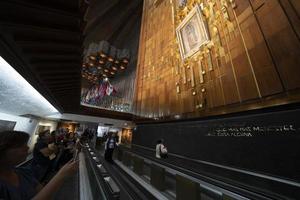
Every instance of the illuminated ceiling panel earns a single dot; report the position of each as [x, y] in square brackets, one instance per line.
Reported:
[18, 97]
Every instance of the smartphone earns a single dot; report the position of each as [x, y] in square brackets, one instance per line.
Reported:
[75, 156]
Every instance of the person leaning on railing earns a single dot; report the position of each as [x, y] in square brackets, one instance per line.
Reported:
[17, 183]
[160, 149]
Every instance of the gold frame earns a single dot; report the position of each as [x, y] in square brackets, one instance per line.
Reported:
[195, 12]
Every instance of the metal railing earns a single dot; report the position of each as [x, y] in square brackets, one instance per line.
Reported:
[95, 182]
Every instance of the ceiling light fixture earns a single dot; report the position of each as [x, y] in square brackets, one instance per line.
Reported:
[107, 56]
[122, 67]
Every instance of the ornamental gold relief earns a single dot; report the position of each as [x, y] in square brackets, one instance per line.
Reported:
[215, 15]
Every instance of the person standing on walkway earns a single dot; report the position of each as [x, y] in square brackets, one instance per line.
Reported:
[110, 145]
[160, 149]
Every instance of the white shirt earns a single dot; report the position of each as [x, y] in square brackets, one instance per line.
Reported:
[162, 149]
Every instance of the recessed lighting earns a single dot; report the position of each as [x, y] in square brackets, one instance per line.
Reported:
[92, 57]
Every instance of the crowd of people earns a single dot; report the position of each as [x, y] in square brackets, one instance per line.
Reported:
[53, 157]
[52, 154]
[51, 151]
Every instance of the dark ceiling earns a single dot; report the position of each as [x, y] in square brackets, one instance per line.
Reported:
[44, 40]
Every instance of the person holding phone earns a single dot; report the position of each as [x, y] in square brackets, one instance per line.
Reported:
[17, 183]
[43, 155]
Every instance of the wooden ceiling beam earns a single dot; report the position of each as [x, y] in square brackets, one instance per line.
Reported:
[40, 32]
[64, 67]
[66, 76]
[65, 73]
[18, 37]
[47, 6]
[38, 57]
[27, 15]
[68, 93]
[42, 62]
[75, 52]
[56, 85]
[48, 45]
[38, 62]
[69, 98]
[66, 88]
[62, 81]
[61, 87]
[57, 72]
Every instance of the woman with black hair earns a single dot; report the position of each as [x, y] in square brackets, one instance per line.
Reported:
[18, 183]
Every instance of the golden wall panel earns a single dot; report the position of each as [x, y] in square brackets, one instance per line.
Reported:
[250, 57]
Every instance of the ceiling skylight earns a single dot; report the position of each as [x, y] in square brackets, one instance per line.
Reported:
[18, 97]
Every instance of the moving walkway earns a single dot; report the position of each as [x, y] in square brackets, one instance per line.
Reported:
[134, 176]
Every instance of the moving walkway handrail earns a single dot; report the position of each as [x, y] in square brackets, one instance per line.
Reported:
[240, 190]
[101, 180]
[281, 180]
[91, 184]
[84, 183]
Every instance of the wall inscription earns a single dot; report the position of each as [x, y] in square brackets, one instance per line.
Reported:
[244, 130]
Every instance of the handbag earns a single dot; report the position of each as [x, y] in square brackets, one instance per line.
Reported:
[163, 154]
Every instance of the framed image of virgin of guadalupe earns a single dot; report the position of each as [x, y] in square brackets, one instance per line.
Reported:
[192, 33]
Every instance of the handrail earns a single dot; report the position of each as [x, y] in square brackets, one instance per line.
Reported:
[29, 158]
[102, 180]
[228, 186]
[97, 191]
[204, 184]
[84, 183]
[281, 180]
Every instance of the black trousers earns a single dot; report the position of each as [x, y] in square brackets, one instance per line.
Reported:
[108, 155]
